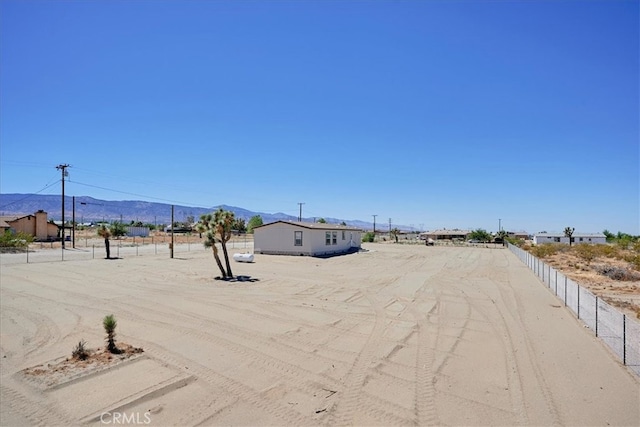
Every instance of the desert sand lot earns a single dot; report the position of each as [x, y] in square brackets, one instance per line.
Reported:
[396, 335]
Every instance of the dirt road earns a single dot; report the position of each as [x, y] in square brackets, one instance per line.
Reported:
[398, 335]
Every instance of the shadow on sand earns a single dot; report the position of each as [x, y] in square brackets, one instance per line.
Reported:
[237, 279]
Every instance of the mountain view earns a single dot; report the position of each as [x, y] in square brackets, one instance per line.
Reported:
[88, 209]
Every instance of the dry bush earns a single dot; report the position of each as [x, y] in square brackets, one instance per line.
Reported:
[617, 273]
[80, 351]
[546, 249]
[586, 252]
[634, 260]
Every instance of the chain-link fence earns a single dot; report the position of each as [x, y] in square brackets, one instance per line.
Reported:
[618, 331]
[46, 252]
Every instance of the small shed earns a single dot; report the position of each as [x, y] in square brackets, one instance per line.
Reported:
[305, 238]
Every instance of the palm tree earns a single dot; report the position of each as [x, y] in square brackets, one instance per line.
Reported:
[207, 226]
[105, 233]
[568, 232]
[109, 322]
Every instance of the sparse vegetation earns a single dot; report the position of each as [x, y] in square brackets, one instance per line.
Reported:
[254, 221]
[515, 241]
[480, 235]
[610, 270]
[586, 252]
[109, 322]
[617, 273]
[368, 237]
[546, 249]
[12, 240]
[80, 351]
[118, 229]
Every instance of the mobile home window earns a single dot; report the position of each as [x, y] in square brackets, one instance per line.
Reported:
[327, 238]
[342, 234]
[297, 238]
[334, 234]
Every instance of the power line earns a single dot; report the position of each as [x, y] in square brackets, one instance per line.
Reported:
[29, 196]
[134, 194]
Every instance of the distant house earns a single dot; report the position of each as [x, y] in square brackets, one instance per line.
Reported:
[305, 238]
[523, 235]
[35, 225]
[447, 234]
[595, 238]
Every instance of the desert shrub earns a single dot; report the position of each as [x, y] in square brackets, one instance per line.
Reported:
[586, 252]
[368, 237]
[9, 239]
[80, 351]
[608, 251]
[516, 242]
[546, 249]
[634, 259]
[617, 273]
[624, 242]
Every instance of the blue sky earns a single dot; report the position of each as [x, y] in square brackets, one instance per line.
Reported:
[435, 114]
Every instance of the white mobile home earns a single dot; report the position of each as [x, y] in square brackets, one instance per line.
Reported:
[577, 238]
[305, 238]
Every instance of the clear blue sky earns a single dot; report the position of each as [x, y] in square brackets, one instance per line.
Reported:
[432, 113]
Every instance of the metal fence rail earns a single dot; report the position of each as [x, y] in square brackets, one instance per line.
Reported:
[619, 332]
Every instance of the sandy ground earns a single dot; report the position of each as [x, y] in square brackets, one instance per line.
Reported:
[398, 335]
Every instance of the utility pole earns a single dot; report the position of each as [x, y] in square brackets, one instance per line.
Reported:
[63, 168]
[374, 223]
[172, 227]
[499, 225]
[389, 225]
[73, 224]
[300, 216]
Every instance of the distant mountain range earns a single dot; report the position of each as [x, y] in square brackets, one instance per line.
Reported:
[88, 209]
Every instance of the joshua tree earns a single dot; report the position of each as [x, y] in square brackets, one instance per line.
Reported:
[568, 232]
[224, 222]
[109, 322]
[217, 229]
[105, 233]
[394, 232]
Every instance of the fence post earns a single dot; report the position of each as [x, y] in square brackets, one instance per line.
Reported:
[624, 339]
[93, 255]
[27, 254]
[596, 316]
[578, 288]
